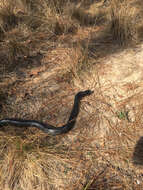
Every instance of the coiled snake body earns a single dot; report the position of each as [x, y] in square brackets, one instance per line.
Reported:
[46, 128]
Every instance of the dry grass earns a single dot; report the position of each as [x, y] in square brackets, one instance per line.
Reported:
[45, 45]
[27, 164]
[123, 22]
[20, 25]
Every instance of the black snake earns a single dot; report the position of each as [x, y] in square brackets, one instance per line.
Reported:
[46, 128]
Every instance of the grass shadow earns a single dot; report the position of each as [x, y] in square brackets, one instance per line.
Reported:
[87, 19]
[103, 44]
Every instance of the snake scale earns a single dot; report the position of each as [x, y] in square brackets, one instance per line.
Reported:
[46, 128]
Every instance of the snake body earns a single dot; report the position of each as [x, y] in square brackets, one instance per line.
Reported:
[46, 128]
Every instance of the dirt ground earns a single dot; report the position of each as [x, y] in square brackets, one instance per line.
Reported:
[105, 148]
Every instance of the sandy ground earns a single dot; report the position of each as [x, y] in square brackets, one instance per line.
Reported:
[108, 133]
[106, 143]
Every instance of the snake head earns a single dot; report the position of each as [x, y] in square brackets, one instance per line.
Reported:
[82, 94]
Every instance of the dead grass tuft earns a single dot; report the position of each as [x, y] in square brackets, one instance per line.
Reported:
[16, 49]
[8, 19]
[123, 22]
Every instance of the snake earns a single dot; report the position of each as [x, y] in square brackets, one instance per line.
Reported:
[47, 128]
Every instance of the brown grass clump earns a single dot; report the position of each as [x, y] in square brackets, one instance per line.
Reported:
[8, 19]
[123, 22]
[16, 49]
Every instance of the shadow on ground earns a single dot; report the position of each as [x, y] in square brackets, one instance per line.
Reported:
[19, 65]
[103, 44]
[86, 19]
[138, 153]
[12, 74]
